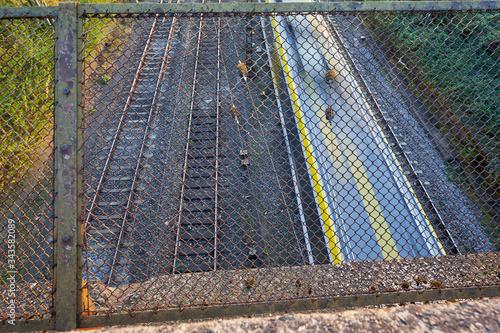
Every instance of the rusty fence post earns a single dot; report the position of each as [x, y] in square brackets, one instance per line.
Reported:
[67, 141]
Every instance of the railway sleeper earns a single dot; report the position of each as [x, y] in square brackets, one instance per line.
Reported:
[194, 267]
[198, 121]
[202, 114]
[202, 164]
[209, 153]
[197, 192]
[200, 183]
[204, 145]
[194, 235]
[203, 137]
[196, 216]
[148, 75]
[206, 223]
[208, 45]
[153, 56]
[138, 115]
[198, 174]
[204, 156]
[196, 251]
[144, 97]
[196, 223]
[197, 208]
[204, 130]
[202, 108]
[200, 156]
[144, 104]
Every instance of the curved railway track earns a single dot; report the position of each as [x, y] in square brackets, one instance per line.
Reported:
[113, 198]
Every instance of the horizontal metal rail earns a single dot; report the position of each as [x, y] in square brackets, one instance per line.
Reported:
[198, 8]
[28, 12]
[316, 7]
[286, 306]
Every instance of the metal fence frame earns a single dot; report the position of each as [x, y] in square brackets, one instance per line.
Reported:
[67, 298]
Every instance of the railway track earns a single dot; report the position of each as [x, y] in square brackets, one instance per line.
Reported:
[197, 226]
[198, 231]
[215, 178]
[115, 201]
[114, 197]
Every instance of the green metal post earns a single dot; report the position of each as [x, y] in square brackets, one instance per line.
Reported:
[67, 176]
[79, 138]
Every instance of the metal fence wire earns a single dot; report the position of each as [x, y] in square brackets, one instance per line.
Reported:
[253, 157]
[234, 158]
[26, 167]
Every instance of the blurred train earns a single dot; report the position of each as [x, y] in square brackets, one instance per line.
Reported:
[366, 206]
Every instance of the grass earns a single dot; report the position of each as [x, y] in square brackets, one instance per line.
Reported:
[26, 95]
[27, 83]
[451, 64]
[104, 79]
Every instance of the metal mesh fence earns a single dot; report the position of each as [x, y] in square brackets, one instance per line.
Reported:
[26, 167]
[234, 158]
[248, 158]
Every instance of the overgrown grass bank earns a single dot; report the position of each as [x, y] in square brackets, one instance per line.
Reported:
[27, 83]
[452, 64]
[26, 95]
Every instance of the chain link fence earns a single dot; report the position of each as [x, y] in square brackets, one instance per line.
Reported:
[26, 167]
[246, 159]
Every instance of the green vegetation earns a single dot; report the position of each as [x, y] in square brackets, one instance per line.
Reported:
[27, 83]
[458, 55]
[452, 64]
[104, 79]
[26, 90]
[450, 61]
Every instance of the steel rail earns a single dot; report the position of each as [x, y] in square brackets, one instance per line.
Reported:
[186, 154]
[288, 150]
[216, 208]
[120, 123]
[375, 103]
